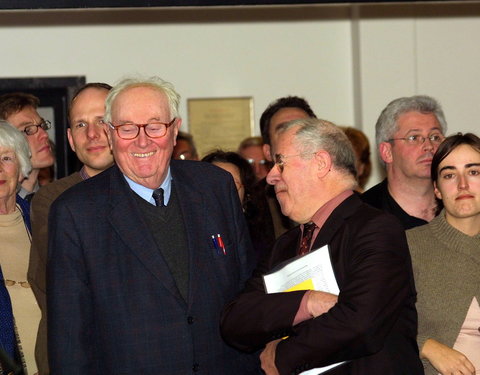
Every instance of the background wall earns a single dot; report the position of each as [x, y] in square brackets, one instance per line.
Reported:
[348, 61]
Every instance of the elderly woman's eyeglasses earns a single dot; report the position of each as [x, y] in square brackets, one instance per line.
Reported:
[154, 129]
[33, 129]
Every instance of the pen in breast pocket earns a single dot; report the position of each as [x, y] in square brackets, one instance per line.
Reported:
[215, 244]
[222, 245]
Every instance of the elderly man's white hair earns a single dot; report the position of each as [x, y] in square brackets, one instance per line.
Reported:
[155, 83]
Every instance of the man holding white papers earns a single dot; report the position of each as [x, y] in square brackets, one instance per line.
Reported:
[371, 325]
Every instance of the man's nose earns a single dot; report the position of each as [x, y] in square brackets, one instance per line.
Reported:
[93, 131]
[142, 138]
[274, 175]
[42, 133]
[428, 144]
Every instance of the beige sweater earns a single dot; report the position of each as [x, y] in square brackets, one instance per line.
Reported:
[446, 265]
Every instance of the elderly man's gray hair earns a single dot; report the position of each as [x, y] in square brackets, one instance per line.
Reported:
[387, 125]
[316, 134]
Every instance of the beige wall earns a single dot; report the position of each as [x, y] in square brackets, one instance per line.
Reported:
[430, 49]
[349, 61]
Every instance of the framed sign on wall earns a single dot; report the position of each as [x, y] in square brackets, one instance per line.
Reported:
[220, 123]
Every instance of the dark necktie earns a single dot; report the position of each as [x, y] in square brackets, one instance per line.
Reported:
[306, 238]
[158, 197]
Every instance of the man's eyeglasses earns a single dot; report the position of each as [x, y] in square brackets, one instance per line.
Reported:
[259, 162]
[33, 129]
[279, 159]
[417, 140]
[154, 129]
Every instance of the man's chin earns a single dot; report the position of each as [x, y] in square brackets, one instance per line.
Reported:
[44, 163]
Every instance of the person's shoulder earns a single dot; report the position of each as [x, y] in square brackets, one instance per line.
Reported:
[87, 190]
[373, 195]
[55, 188]
[201, 172]
[366, 214]
[422, 233]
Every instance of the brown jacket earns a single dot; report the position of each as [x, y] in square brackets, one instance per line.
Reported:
[38, 257]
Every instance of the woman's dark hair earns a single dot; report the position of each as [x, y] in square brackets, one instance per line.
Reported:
[448, 145]
[247, 175]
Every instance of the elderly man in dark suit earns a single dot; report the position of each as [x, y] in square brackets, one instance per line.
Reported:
[372, 323]
[143, 256]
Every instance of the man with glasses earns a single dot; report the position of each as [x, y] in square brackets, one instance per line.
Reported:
[143, 256]
[185, 147]
[269, 223]
[88, 140]
[20, 110]
[370, 327]
[408, 133]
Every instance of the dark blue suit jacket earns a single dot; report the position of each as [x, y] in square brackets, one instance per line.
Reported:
[113, 306]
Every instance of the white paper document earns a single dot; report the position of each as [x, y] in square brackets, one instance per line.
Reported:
[312, 271]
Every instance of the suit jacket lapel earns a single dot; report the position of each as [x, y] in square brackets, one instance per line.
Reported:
[128, 223]
[327, 233]
[194, 212]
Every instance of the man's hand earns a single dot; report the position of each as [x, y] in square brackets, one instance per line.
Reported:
[267, 358]
[319, 303]
[446, 360]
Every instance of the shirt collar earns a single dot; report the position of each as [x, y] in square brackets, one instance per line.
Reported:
[23, 192]
[146, 193]
[325, 211]
[83, 173]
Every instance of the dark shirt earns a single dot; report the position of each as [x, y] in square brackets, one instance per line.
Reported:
[378, 196]
[265, 219]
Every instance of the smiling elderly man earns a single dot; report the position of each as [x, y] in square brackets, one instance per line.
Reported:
[143, 256]
[372, 323]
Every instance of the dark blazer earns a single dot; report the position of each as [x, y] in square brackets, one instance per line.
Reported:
[374, 323]
[113, 305]
[37, 267]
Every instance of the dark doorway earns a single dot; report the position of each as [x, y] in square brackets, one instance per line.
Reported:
[55, 94]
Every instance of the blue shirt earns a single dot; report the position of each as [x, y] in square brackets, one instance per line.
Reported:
[146, 193]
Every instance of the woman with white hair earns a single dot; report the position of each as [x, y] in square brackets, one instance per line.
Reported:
[15, 239]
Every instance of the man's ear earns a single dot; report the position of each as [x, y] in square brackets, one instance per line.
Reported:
[437, 192]
[70, 139]
[323, 162]
[385, 151]
[176, 125]
[108, 133]
[266, 152]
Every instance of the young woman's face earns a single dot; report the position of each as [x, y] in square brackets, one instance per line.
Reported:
[458, 183]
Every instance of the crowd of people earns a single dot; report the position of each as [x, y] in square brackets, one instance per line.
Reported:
[151, 258]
